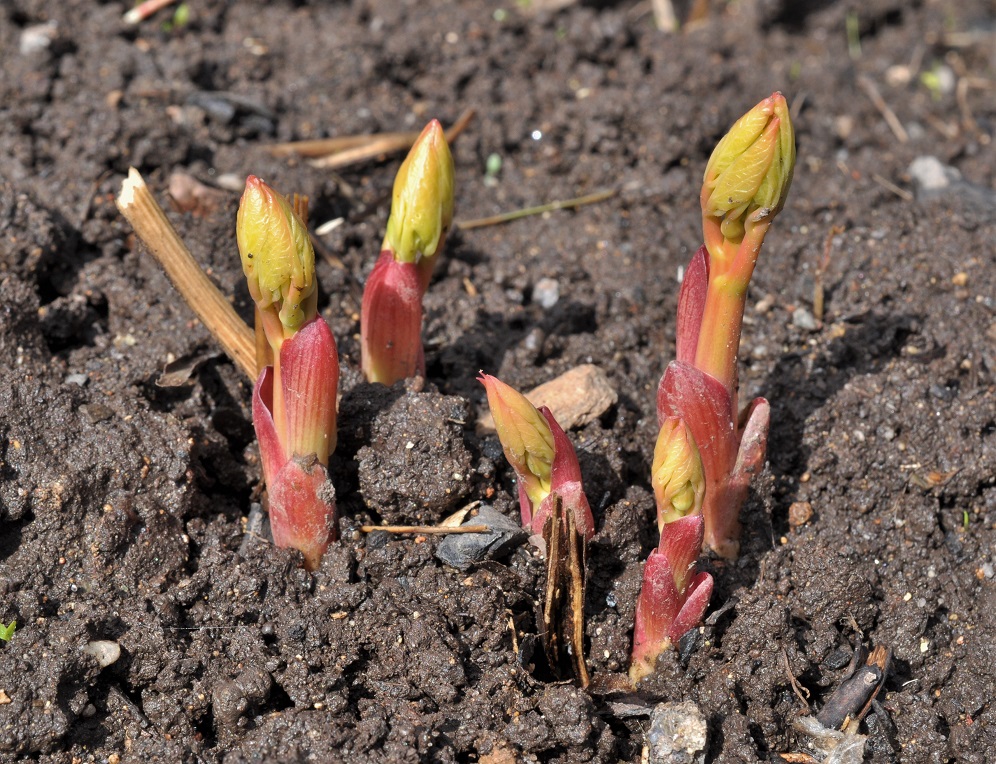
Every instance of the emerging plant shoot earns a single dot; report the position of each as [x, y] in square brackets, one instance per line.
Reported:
[746, 182]
[674, 597]
[421, 215]
[542, 457]
[294, 399]
[554, 507]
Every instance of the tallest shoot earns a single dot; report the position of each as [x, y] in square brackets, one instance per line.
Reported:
[745, 186]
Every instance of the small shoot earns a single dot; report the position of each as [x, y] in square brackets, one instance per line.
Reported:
[421, 216]
[541, 455]
[555, 509]
[674, 597]
[7, 632]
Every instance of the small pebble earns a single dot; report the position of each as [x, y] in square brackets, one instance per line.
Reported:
[105, 651]
[803, 319]
[461, 550]
[678, 734]
[76, 379]
[898, 75]
[886, 433]
[546, 293]
[960, 279]
[800, 513]
[930, 173]
[765, 304]
[38, 37]
[843, 126]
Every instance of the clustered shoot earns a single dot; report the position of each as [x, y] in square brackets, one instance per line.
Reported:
[294, 399]
[746, 182]
[707, 451]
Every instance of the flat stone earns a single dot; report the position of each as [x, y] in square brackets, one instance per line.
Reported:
[461, 550]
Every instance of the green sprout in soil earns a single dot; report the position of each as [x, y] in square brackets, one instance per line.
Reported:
[541, 455]
[294, 399]
[706, 450]
[421, 215]
[7, 632]
[674, 597]
[555, 509]
[746, 182]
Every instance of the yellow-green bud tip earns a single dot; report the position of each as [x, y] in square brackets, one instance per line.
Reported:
[751, 167]
[422, 203]
[677, 477]
[277, 257]
[525, 436]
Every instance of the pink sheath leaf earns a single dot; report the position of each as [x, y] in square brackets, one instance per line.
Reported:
[302, 509]
[691, 305]
[725, 497]
[309, 373]
[656, 608]
[694, 607]
[565, 479]
[665, 609]
[525, 507]
[681, 544]
[270, 449]
[705, 405]
[753, 441]
[391, 322]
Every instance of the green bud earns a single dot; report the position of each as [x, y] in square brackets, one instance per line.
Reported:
[677, 476]
[751, 168]
[422, 203]
[277, 257]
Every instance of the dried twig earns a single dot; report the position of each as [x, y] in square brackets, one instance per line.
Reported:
[887, 113]
[888, 185]
[137, 204]
[821, 269]
[335, 153]
[425, 530]
[796, 687]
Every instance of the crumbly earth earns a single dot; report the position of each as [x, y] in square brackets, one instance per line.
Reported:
[123, 502]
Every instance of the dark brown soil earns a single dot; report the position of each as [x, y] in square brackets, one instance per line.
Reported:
[123, 503]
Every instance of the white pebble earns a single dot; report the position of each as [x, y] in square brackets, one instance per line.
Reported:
[546, 293]
[105, 651]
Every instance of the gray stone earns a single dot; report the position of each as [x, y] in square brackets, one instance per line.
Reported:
[461, 550]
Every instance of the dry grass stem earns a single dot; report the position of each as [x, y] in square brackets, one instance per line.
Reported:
[888, 185]
[887, 113]
[335, 153]
[425, 530]
[137, 204]
[563, 204]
